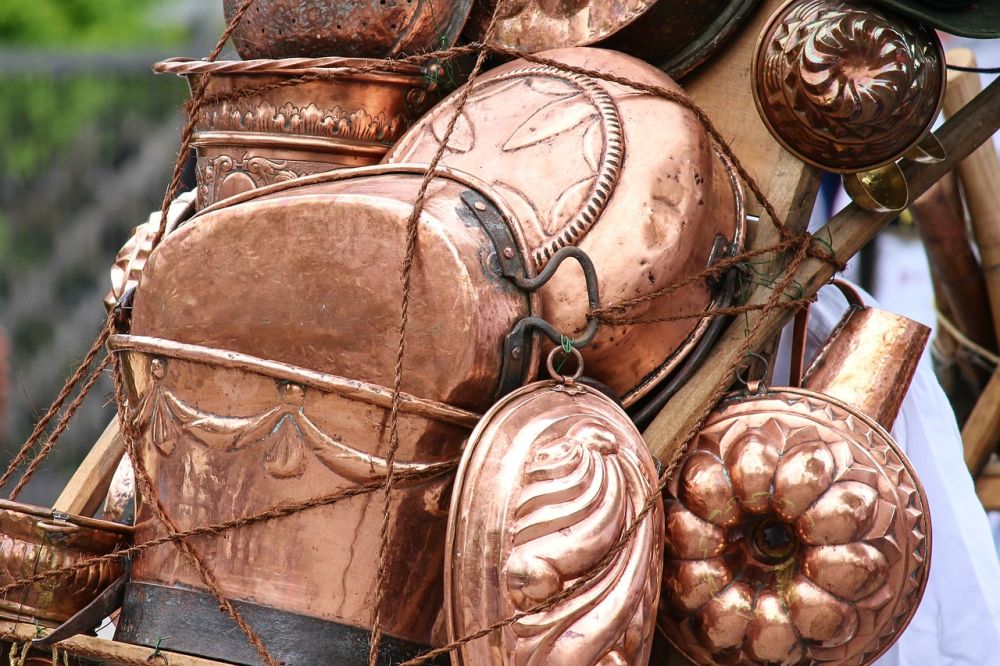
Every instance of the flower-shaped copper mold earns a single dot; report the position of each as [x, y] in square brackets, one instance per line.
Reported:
[847, 87]
[796, 532]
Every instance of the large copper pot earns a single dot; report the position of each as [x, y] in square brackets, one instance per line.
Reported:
[630, 178]
[356, 28]
[260, 127]
[797, 531]
[263, 337]
[35, 540]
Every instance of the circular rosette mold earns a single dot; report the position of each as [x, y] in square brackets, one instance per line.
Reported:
[551, 481]
[796, 532]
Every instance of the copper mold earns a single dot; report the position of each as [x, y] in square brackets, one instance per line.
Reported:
[35, 540]
[630, 178]
[675, 36]
[269, 130]
[260, 349]
[847, 87]
[549, 481]
[355, 28]
[797, 531]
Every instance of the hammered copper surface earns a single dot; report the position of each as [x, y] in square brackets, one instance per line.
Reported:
[675, 35]
[551, 478]
[228, 435]
[797, 531]
[630, 178]
[264, 136]
[119, 503]
[35, 540]
[844, 86]
[356, 28]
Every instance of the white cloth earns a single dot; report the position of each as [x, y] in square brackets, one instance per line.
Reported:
[958, 621]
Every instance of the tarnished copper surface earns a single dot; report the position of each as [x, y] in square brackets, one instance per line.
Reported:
[274, 135]
[630, 178]
[356, 28]
[550, 479]
[35, 540]
[675, 35]
[132, 257]
[119, 503]
[844, 86]
[797, 531]
[262, 341]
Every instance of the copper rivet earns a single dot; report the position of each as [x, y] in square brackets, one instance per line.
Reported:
[508, 253]
[515, 353]
[479, 205]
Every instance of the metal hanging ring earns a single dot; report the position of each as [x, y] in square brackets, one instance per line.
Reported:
[753, 386]
[575, 353]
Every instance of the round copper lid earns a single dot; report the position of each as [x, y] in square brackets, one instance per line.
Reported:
[847, 87]
[797, 532]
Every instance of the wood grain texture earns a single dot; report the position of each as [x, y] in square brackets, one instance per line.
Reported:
[845, 234]
[88, 486]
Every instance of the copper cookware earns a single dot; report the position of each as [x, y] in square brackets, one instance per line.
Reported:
[258, 128]
[630, 178]
[356, 28]
[797, 531]
[675, 36]
[551, 479]
[35, 540]
[263, 337]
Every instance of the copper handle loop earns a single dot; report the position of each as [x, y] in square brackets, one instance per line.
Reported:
[55, 528]
[593, 297]
[575, 353]
[754, 386]
[797, 367]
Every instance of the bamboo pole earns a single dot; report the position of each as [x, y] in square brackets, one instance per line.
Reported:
[845, 234]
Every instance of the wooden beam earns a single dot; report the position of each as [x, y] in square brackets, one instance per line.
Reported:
[845, 234]
[988, 487]
[87, 488]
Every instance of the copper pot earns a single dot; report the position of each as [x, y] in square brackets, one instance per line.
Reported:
[551, 479]
[262, 342]
[265, 135]
[35, 540]
[797, 531]
[364, 29]
[630, 178]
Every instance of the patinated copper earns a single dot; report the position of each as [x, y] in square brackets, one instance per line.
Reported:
[273, 130]
[551, 479]
[34, 540]
[845, 86]
[262, 343]
[797, 531]
[630, 178]
[355, 28]
[677, 36]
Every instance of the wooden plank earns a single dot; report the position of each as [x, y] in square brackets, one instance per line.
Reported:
[110, 653]
[87, 488]
[988, 487]
[845, 235]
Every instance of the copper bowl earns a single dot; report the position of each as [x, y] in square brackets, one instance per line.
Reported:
[356, 28]
[847, 87]
[257, 137]
[34, 540]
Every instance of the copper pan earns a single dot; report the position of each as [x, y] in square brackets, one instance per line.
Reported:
[630, 178]
[270, 130]
[797, 531]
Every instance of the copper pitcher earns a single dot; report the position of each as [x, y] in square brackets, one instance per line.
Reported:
[797, 531]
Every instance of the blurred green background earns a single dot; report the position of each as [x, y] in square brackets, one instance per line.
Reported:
[88, 136]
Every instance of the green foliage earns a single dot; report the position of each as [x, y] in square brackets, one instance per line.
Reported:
[91, 24]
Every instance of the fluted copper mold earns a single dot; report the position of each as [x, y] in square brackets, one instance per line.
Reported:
[550, 479]
[847, 87]
[630, 178]
[270, 129]
[35, 540]
[261, 346]
[797, 531]
[674, 36]
[355, 28]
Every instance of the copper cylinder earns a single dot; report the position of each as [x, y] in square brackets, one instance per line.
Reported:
[35, 540]
[269, 130]
[869, 362]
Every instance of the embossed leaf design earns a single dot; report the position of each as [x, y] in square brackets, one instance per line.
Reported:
[553, 119]
[569, 204]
